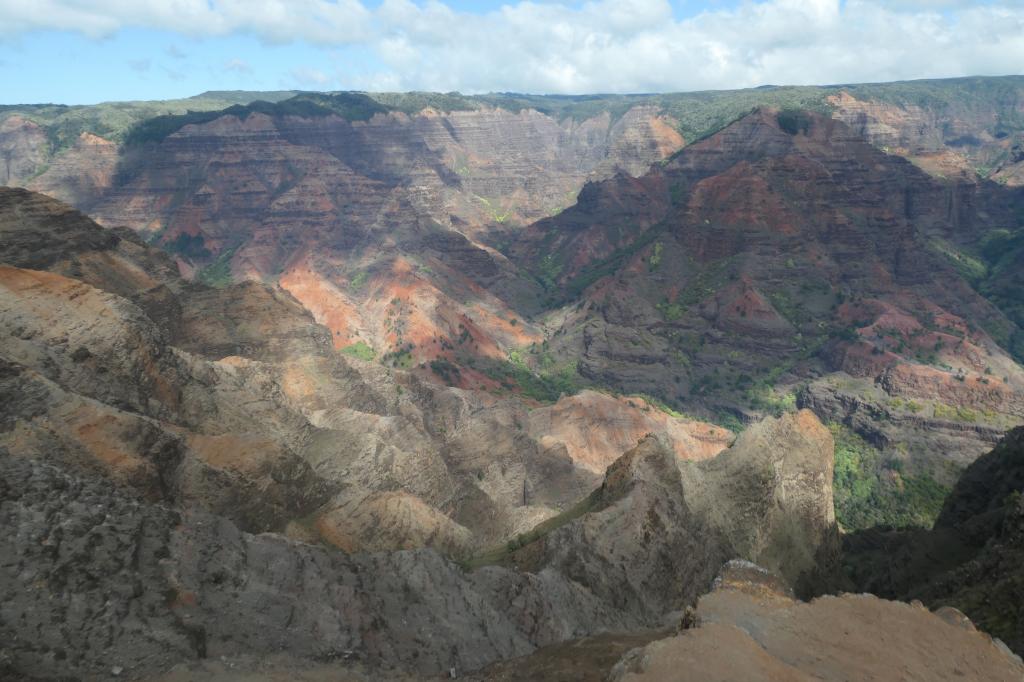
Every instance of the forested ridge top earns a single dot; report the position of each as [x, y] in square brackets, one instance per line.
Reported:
[695, 114]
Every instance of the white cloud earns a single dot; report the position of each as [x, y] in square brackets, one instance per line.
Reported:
[637, 45]
[322, 22]
[596, 46]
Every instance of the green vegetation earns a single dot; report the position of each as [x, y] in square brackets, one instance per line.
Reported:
[993, 266]
[352, 106]
[358, 280]
[400, 357]
[701, 284]
[548, 271]
[1003, 285]
[414, 102]
[963, 414]
[969, 267]
[705, 282]
[952, 94]
[191, 246]
[697, 114]
[908, 405]
[794, 121]
[727, 420]
[492, 211]
[655, 259]
[870, 491]
[761, 396]
[997, 244]
[562, 107]
[545, 385]
[701, 114]
[613, 263]
[113, 120]
[445, 369]
[670, 311]
[360, 349]
[218, 273]
[793, 309]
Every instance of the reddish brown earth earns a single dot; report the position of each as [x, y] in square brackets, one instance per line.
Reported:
[762, 249]
[347, 214]
[340, 211]
[596, 428]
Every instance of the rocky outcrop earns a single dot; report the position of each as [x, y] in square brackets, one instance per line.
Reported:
[658, 527]
[641, 548]
[111, 393]
[140, 587]
[157, 584]
[770, 496]
[40, 233]
[250, 320]
[958, 390]
[392, 520]
[750, 628]
[95, 343]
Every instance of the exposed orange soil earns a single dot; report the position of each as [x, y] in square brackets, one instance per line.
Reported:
[596, 428]
[232, 452]
[329, 305]
[101, 435]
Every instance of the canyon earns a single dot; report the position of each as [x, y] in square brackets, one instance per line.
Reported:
[414, 385]
[131, 465]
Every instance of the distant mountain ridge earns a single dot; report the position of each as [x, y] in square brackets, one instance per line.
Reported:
[698, 113]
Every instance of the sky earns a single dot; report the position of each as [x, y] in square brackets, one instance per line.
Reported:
[83, 52]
